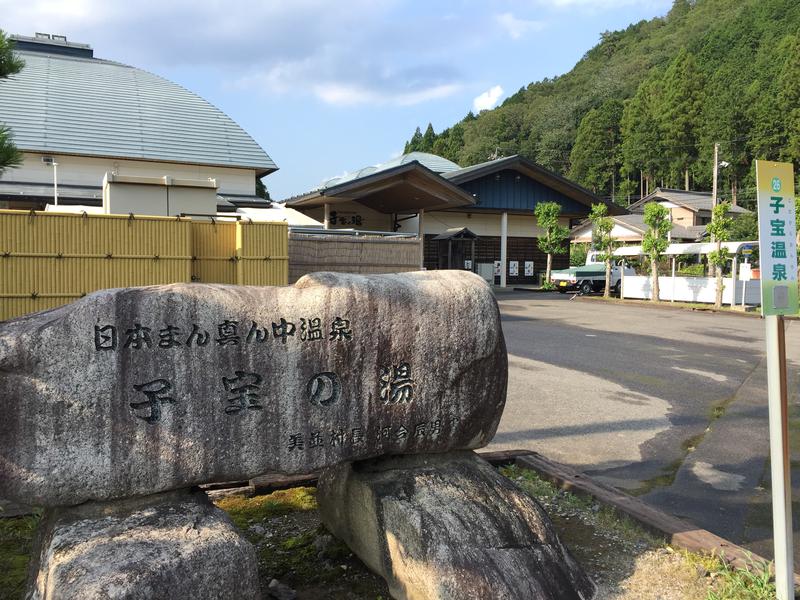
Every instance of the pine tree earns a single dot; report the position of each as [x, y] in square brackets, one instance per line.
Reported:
[415, 143]
[10, 156]
[679, 111]
[428, 139]
[789, 98]
[641, 133]
[594, 160]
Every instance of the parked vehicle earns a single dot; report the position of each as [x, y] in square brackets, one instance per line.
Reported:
[590, 277]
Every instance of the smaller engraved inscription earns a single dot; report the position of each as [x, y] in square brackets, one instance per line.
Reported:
[296, 442]
[340, 330]
[310, 329]
[198, 337]
[256, 333]
[283, 330]
[105, 337]
[228, 332]
[168, 337]
[138, 337]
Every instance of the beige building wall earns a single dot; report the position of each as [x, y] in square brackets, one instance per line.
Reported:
[683, 216]
[480, 224]
[89, 171]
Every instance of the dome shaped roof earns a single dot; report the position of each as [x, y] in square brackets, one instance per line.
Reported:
[435, 163]
[92, 107]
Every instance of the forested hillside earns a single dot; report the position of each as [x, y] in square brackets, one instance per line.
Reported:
[644, 107]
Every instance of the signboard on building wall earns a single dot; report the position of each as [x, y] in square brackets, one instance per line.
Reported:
[777, 233]
[513, 268]
[497, 269]
[528, 268]
[468, 265]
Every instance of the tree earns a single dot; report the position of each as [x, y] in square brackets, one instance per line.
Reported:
[679, 113]
[603, 240]
[641, 133]
[594, 159]
[428, 139]
[415, 143]
[655, 241]
[577, 254]
[261, 189]
[10, 156]
[789, 86]
[720, 231]
[552, 242]
[744, 228]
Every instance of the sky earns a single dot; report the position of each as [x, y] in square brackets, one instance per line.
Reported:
[329, 87]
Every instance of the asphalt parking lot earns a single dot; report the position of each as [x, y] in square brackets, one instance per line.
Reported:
[667, 404]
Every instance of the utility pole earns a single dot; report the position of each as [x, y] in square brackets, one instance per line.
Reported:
[713, 269]
[716, 174]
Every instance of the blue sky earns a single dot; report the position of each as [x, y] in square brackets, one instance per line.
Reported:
[328, 87]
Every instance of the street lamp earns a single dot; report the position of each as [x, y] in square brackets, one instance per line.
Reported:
[49, 160]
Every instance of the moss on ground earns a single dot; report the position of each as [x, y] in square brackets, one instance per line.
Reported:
[245, 511]
[295, 548]
[16, 540]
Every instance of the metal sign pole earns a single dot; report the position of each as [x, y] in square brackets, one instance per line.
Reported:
[779, 457]
[778, 258]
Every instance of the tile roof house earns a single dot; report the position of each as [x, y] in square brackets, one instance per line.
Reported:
[688, 208]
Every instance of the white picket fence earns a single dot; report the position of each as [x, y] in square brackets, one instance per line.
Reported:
[692, 289]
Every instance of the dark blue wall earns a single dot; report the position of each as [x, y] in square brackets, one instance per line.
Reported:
[508, 193]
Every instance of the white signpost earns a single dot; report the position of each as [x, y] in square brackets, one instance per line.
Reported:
[778, 257]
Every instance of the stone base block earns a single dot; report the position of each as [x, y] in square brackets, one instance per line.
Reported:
[172, 546]
[448, 527]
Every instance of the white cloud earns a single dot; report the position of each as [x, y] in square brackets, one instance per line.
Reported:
[487, 99]
[517, 28]
[351, 95]
[371, 52]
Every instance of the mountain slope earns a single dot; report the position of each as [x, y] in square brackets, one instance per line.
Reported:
[647, 104]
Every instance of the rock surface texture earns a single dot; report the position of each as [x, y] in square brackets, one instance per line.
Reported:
[172, 546]
[448, 527]
[136, 391]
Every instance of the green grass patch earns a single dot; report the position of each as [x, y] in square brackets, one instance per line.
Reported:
[735, 583]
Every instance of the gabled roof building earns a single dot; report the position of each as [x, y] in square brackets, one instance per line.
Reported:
[478, 218]
[687, 208]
